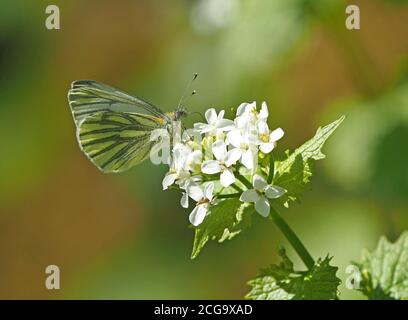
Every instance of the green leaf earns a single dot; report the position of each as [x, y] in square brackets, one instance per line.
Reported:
[225, 220]
[295, 171]
[385, 270]
[282, 282]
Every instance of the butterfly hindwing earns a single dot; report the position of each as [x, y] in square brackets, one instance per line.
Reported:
[114, 141]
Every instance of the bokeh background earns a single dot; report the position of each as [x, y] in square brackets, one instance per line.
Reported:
[121, 236]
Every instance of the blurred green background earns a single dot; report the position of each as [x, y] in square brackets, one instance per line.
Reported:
[121, 236]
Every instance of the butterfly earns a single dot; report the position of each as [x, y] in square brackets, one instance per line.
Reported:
[113, 128]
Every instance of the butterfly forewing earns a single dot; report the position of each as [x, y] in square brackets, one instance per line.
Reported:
[113, 128]
[87, 97]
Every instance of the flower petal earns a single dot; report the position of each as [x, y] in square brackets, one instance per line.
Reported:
[168, 180]
[262, 206]
[227, 178]
[242, 121]
[249, 196]
[263, 114]
[273, 192]
[221, 115]
[225, 124]
[195, 192]
[263, 127]
[248, 159]
[207, 128]
[184, 200]
[197, 216]
[259, 182]
[219, 150]
[242, 108]
[233, 156]
[193, 159]
[211, 116]
[199, 125]
[234, 137]
[189, 181]
[180, 155]
[211, 167]
[208, 191]
[276, 134]
[266, 147]
[251, 107]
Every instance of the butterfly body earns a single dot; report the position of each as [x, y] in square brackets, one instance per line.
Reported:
[113, 128]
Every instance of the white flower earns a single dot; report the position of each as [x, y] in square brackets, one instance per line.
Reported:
[172, 176]
[215, 123]
[244, 114]
[244, 147]
[193, 161]
[248, 114]
[226, 142]
[203, 196]
[260, 193]
[224, 161]
[176, 170]
[184, 161]
[160, 151]
[267, 139]
[263, 113]
[184, 200]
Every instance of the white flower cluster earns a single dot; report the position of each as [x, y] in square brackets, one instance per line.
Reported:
[213, 159]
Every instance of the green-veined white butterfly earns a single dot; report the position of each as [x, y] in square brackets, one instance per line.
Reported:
[114, 128]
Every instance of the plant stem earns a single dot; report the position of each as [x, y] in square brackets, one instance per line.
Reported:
[237, 188]
[293, 239]
[243, 180]
[271, 168]
[210, 179]
[228, 196]
[173, 187]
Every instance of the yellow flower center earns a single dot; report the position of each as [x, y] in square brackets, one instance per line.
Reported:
[264, 137]
[244, 146]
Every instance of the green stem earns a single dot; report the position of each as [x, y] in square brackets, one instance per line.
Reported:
[271, 168]
[293, 239]
[243, 180]
[173, 187]
[210, 179]
[228, 196]
[237, 188]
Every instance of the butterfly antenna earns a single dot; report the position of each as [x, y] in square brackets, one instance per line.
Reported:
[187, 89]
